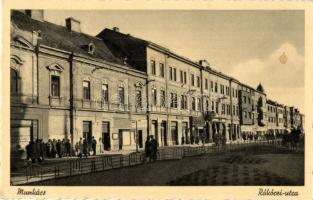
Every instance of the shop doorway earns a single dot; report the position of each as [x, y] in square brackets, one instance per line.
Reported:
[87, 131]
[106, 140]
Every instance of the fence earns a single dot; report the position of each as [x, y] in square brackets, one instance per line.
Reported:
[83, 166]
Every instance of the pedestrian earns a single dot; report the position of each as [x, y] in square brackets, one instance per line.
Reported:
[81, 148]
[42, 149]
[49, 148]
[58, 147]
[85, 148]
[54, 148]
[34, 152]
[38, 150]
[68, 147]
[147, 149]
[63, 147]
[153, 148]
[94, 145]
[192, 139]
[29, 151]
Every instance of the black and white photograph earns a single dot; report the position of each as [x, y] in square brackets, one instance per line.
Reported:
[157, 98]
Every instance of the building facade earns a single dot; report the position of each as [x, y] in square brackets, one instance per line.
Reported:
[119, 89]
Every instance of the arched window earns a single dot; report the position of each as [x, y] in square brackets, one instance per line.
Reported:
[14, 81]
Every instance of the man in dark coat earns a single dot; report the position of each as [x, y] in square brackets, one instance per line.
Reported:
[29, 150]
[58, 147]
[94, 145]
[68, 147]
[154, 148]
[147, 149]
[85, 148]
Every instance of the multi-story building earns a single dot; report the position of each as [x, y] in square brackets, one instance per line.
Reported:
[119, 89]
[280, 119]
[66, 84]
[246, 110]
[287, 118]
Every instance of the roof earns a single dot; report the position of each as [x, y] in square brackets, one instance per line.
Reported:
[260, 88]
[60, 37]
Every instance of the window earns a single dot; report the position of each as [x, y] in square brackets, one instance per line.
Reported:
[198, 81]
[192, 80]
[174, 74]
[86, 90]
[199, 104]
[207, 104]
[249, 101]
[105, 93]
[206, 84]
[121, 95]
[212, 105]
[216, 107]
[244, 99]
[234, 110]
[138, 99]
[91, 48]
[162, 72]
[249, 115]
[185, 77]
[184, 102]
[14, 81]
[181, 76]
[245, 114]
[55, 86]
[173, 100]
[154, 97]
[212, 86]
[87, 131]
[171, 73]
[153, 70]
[216, 89]
[223, 109]
[162, 96]
[193, 103]
[233, 92]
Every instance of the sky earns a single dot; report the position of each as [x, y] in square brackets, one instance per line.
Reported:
[247, 45]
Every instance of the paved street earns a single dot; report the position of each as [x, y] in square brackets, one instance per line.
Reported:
[253, 167]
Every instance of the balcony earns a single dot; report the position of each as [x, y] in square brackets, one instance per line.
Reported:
[100, 105]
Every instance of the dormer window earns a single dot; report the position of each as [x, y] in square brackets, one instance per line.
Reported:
[91, 48]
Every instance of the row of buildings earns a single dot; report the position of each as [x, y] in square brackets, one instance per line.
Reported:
[119, 89]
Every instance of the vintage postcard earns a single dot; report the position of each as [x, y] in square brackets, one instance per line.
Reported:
[157, 100]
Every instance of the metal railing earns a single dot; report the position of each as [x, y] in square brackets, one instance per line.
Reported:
[107, 162]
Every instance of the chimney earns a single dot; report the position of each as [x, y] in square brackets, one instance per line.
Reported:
[35, 14]
[204, 63]
[72, 24]
[116, 29]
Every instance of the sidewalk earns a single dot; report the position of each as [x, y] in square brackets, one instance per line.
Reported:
[69, 166]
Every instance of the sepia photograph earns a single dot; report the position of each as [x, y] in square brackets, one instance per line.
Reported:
[174, 101]
[157, 97]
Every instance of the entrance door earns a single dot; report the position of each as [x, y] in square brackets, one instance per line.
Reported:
[120, 139]
[174, 133]
[106, 135]
[87, 133]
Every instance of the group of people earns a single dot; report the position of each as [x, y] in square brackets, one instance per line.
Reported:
[83, 147]
[37, 151]
[151, 149]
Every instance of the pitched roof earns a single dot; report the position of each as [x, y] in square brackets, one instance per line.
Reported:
[60, 37]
